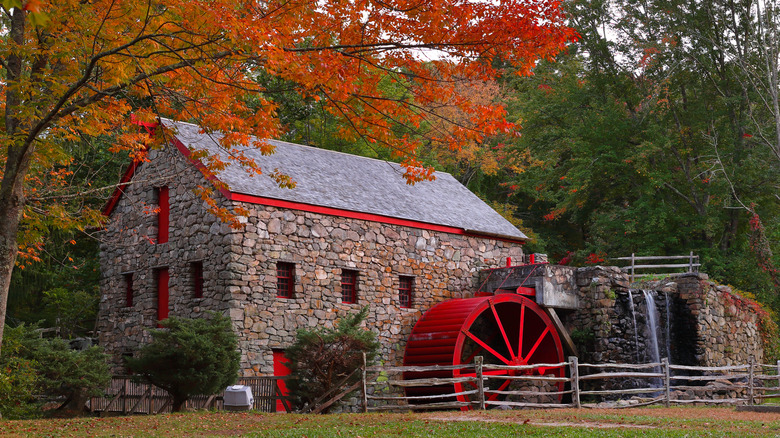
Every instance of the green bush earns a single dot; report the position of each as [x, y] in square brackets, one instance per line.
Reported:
[18, 379]
[321, 358]
[38, 369]
[189, 357]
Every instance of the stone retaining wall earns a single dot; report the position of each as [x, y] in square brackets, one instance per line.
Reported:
[711, 326]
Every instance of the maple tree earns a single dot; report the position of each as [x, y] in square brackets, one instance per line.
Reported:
[74, 69]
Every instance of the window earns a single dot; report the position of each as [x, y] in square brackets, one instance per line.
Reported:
[161, 278]
[196, 269]
[405, 290]
[163, 216]
[285, 279]
[128, 289]
[349, 286]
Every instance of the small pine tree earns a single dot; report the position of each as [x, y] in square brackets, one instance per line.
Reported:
[34, 367]
[320, 358]
[189, 357]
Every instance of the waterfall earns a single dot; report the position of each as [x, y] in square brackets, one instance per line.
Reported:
[652, 325]
[633, 317]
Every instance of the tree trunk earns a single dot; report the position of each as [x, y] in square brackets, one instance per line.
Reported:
[11, 209]
[75, 405]
[178, 403]
[16, 167]
[9, 224]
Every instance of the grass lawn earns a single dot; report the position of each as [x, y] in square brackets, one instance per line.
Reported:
[648, 422]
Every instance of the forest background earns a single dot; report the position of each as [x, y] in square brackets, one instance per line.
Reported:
[657, 133]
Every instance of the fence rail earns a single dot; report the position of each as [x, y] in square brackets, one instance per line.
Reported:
[383, 388]
[125, 396]
[480, 386]
[692, 265]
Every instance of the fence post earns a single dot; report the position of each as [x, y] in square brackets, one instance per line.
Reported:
[480, 381]
[632, 267]
[752, 366]
[667, 381]
[690, 262]
[575, 381]
[124, 391]
[365, 391]
[778, 374]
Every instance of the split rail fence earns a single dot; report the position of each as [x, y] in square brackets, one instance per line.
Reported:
[655, 263]
[125, 396]
[482, 386]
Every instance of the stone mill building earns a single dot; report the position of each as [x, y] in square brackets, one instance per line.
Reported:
[350, 234]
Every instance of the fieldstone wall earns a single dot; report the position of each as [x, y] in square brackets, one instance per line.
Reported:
[592, 326]
[728, 327]
[129, 247]
[443, 266]
[239, 268]
[709, 325]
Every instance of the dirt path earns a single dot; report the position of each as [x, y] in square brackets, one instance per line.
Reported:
[639, 418]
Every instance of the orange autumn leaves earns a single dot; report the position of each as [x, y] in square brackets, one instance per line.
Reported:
[86, 66]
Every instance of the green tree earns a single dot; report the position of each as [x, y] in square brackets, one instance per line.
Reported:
[322, 358]
[189, 357]
[47, 366]
[642, 139]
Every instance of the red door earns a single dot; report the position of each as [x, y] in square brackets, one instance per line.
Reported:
[162, 294]
[281, 370]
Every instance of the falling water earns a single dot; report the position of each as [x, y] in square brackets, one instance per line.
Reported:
[668, 329]
[652, 324]
[633, 317]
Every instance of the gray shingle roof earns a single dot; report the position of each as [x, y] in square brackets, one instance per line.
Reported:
[349, 182]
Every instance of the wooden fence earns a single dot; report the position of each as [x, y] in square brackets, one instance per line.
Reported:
[691, 266]
[480, 386]
[125, 396]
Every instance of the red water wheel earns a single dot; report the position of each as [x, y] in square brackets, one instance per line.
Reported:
[506, 329]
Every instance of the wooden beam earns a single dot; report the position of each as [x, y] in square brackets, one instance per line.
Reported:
[323, 406]
[568, 342]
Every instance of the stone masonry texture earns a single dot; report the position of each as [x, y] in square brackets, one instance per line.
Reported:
[714, 328]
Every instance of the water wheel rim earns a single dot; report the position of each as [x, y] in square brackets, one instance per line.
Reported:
[522, 352]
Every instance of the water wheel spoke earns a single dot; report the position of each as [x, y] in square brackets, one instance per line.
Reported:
[503, 332]
[520, 332]
[477, 351]
[487, 347]
[537, 344]
[494, 396]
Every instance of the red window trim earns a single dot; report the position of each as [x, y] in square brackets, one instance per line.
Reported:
[197, 279]
[128, 277]
[285, 279]
[349, 283]
[163, 216]
[162, 277]
[405, 291]
[372, 217]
